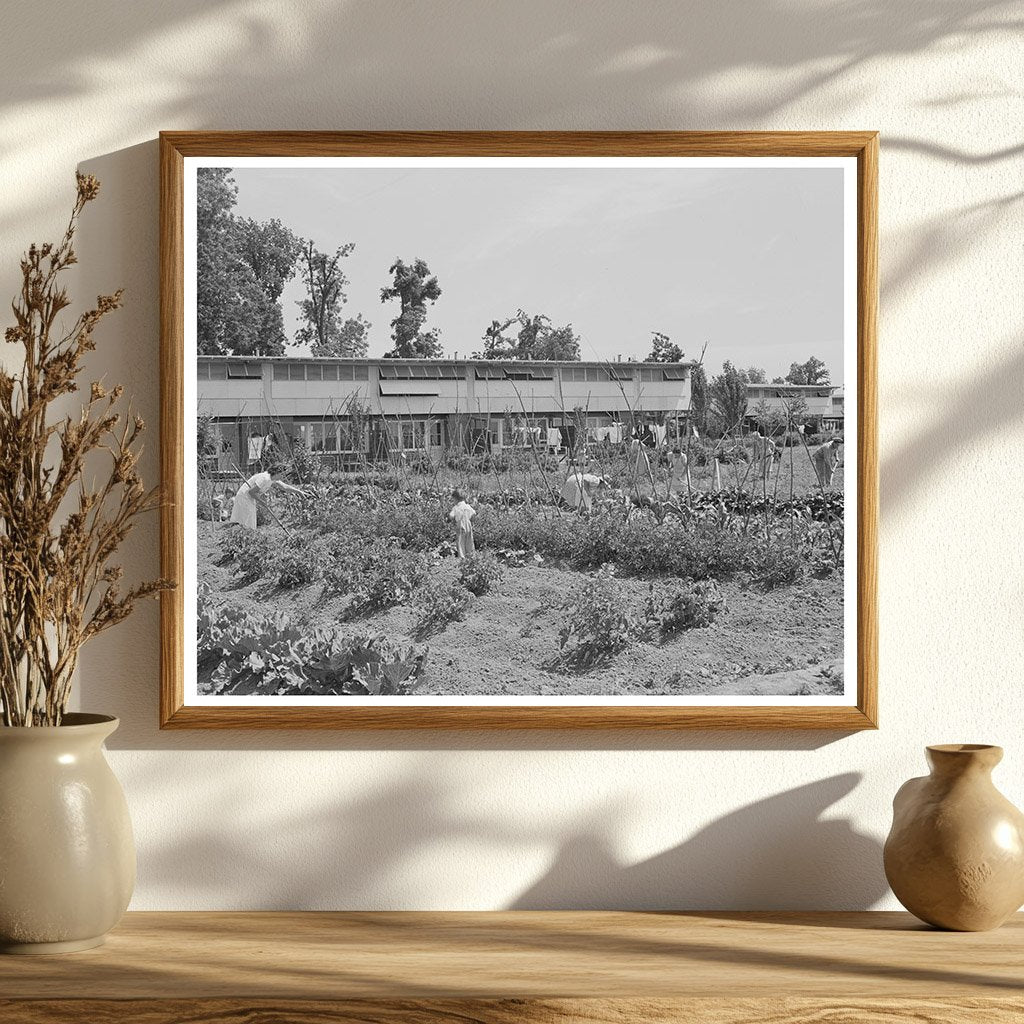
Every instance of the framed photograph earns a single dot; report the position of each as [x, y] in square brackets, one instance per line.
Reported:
[519, 430]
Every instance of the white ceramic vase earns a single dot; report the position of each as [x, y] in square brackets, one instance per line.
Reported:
[67, 855]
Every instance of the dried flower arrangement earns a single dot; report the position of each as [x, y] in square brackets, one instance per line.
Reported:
[58, 588]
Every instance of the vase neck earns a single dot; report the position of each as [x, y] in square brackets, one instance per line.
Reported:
[952, 760]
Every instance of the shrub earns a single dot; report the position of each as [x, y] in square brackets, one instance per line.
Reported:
[250, 550]
[299, 563]
[778, 566]
[479, 573]
[596, 621]
[438, 604]
[693, 606]
[386, 576]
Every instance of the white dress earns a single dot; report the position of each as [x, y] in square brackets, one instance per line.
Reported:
[462, 516]
[246, 502]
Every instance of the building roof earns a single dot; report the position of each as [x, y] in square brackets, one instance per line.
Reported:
[441, 362]
[797, 387]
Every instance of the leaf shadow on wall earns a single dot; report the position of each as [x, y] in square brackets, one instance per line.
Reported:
[403, 844]
[536, 64]
[777, 853]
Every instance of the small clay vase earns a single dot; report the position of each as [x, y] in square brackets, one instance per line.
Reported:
[955, 854]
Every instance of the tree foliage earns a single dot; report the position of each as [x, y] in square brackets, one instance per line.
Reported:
[350, 342]
[323, 329]
[535, 338]
[729, 396]
[414, 287]
[663, 349]
[755, 375]
[242, 266]
[814, 371]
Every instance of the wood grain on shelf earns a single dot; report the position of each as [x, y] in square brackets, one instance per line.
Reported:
[524, 966]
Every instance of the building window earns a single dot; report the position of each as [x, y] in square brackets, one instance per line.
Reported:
[332, 436]
[407, 435]
[296, 371]
[203, 371]
[218, 371]
[280, 371]
[244, 371]
[330, 371]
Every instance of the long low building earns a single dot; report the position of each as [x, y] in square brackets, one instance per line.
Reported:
[820, 406]
[348, 409]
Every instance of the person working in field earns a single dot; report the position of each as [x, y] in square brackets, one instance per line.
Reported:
[579, 490]
[462, 515]
[679, 471]
[825, 460]
[254, 493]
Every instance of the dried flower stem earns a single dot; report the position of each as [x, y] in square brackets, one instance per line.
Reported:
[57, 586]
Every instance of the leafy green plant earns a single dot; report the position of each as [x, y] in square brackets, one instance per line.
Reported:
[479, 573]
[250, 653]
[299, 563]
[778, 566]
[597, 622]
[250, 551]
[692, 606]
[438, 604]
[387, 576]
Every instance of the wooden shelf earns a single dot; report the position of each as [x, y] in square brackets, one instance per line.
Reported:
[505, 968]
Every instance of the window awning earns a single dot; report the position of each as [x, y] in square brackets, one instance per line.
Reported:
[409, 387]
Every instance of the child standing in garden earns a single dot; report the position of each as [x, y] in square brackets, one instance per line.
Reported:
[462, 515]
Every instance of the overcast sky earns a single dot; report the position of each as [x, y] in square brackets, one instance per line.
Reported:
[747, 260]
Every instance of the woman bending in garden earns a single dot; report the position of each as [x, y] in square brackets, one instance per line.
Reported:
[254, 492]
[462, 515]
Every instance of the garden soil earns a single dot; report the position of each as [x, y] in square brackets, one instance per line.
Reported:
[783, 642]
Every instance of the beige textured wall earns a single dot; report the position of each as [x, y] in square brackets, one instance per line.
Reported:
[464, 821]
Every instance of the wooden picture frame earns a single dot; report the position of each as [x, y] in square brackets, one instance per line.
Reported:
[177, 710]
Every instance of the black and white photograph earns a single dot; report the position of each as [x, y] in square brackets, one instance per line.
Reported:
[503, 431]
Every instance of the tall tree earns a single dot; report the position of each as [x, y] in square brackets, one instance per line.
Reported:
[729, 396]
[241, 267]
[664, 349]
[496, 345]
[755, 375]
[535, 339]
[350, 341]
[320, 310]
[270, 250]
[414, 287]
[814, 371]
[699, 399]
[558, 343]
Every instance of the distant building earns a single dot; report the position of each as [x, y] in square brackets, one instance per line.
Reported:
[820, 405]
[834, 421]
[348, 410]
